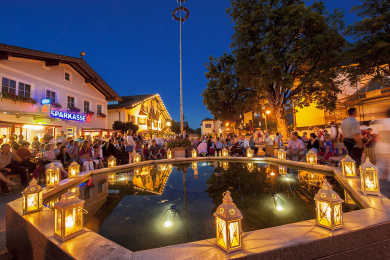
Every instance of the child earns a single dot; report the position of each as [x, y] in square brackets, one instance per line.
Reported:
[328, 149]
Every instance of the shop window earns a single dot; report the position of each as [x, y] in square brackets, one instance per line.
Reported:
[86, 106]
[99, 109]
[51, 95]
[142, 120]
[207, 126]
[24, 90]
[70, 102]
[8, 86]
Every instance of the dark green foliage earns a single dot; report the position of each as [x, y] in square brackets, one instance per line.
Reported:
[119, 125]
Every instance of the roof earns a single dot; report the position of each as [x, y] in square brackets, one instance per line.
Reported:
[371, 86]
[51, 59]
[207, 119]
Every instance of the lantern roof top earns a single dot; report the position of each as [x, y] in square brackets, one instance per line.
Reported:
[68, 198]
[53, 167]
[33, 187]
[327, 194]
[347, 159]
[74, 163]
[112, 157]
[367, 165]
[311, 152]
[228, 210]
[281, 150]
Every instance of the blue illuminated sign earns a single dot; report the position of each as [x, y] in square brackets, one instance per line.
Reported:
[46, 101]
[68, 116]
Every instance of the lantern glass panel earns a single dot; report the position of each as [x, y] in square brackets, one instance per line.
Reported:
[371, 180]
[234, 233]
[349, 169]
[33, 201]
[337, 215]
[194, 153]
[324, 211]
[221, 233]
[57, 226]
[73, 220]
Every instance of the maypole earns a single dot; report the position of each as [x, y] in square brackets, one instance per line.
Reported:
[181, 20]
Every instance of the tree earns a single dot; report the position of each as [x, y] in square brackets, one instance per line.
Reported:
[175, 127]
[119, 125]
[225, 97]
[289, 52]
[371, 49]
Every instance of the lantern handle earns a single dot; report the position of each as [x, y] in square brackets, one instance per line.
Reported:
[85, 211]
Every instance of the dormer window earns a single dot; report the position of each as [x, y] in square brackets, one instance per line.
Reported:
[68, 76]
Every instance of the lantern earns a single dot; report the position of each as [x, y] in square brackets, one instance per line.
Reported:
[111, 161]
[137, 158]
[282, 170]
[228, 224]
[52, 176]
[328, 208]
[112, 178]
[249, 152]
[225, 152]
[369, 176]
[32, 197]
[225, 165]
[74, 170]
[348, 199]
[194, 154]
[311, 157]
[282, 154]
[349, 167]
[194, 165]
[76, 190]
[69, 219]
[137, 171]
[169, 154]
[250, 167]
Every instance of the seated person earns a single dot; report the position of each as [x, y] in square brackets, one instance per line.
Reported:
[252, 145]
[295, 147]
[57, 150]
[269, 145]
[218, 146]
[244, 144]
[235, 149]
[202, 148]
[328, 150]
[97, 156]
[50, 157]
[8, 167]
[154, 151]
[86, 158]
[314, 143]
[210, 146]
[63, 156]
[26, 155]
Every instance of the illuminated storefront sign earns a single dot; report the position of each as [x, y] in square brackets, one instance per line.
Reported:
[46, 101]
[68, 116]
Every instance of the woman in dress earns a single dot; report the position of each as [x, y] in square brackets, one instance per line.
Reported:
[86, 159]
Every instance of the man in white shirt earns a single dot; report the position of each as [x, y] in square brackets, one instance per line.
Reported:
[269, 145]
[295, 147]
[244, 144]
[352, 136]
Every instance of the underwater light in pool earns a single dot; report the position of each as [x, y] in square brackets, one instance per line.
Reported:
[279, 208]
[168, 224]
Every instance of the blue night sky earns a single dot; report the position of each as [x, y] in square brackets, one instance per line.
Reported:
[132, 44]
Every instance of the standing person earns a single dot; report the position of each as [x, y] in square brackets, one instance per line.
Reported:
[352, 136]
[21, 139]
[333, 132]
[48, 136]
[36, 145]
[269, 145]
[130, 145]
[295, 147]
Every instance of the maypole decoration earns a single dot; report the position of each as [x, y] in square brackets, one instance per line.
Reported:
[181, 19]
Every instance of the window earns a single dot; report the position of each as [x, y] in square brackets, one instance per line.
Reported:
[24, 90]
[132, 119]
[8, 86]
[207, 125]
[99, 109]
[112, 102]
[51, 95]
[86, 106]
[70, 102]
[100, 187]
[128, 118]
[67, 76]
[142, 120]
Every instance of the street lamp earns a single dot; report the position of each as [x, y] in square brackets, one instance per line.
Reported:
[266, 113]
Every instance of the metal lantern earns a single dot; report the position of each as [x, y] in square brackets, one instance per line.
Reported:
[282, 170]
[137, 158]
[52, 176]
[311, 157]
[194, 154]
[369, 176]
[112, 178]
[249, 152]
[169, 154]
[349, 167]
[69, 218]
[111, 161]
[225, 152]
[228, 224]
[225, 165]
[74, 170]
[282, 154]
[328, 207]
[32, 197]
[194, 165]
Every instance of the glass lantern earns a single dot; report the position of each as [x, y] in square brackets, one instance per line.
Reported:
[52, 176]
[69, 218]
[194, 165]
[112, 178]
[311, 157]
[225, 152]
[111, 161]
[169, 154]
[249, 152]
[74, 170]
[225, 165]
[228, 225]
[369, 176]
[32, 197]
[349, 167]
[282, 170]
[137, 158]
[328, 208]
[282, 154]
[194, 154]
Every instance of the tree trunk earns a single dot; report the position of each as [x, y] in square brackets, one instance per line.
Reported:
[281, 121]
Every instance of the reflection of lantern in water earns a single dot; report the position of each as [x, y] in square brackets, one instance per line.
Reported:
[228, 224]
[137, 158]
[314, 178]
[51, 203]
[171, 222]
[163, 167]
[225, 165]
[112, 178]
[272, 174]
[249, 152]
[369, 175]
[194, 154]
[137, 171]
[348, 199]
[328, 207]
[111, 161]
[282, 170]
[250, 167]
[52, 176]
[311, 157]
[73, 170]
[349, 167]
[225, 152]
[169, 154]
[194, 165]
[282, 154]
[196, 173]
[32, 197]
[69, 218]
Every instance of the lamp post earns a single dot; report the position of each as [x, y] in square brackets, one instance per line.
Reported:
[266, 113]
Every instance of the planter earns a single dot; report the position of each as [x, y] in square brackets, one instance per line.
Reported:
[178, 153]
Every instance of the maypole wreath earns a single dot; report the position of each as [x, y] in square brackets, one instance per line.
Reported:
[177, 10]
